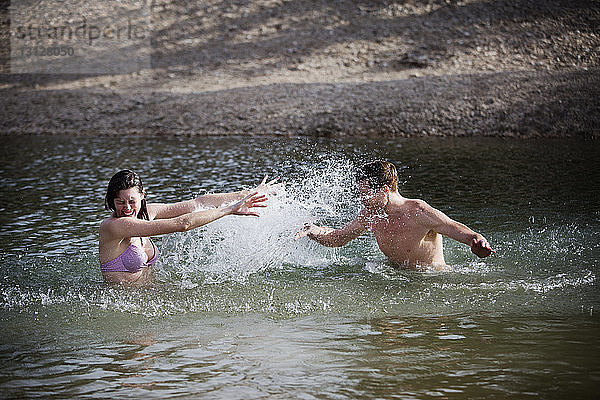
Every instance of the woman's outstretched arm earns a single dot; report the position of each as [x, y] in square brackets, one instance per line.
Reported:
[165, 211]
[135, 227]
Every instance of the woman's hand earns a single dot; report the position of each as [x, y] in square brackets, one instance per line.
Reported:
[243, 206]
[270, 187]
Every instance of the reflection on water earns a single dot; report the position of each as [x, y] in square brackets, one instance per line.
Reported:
[249, 356]
[241, 310]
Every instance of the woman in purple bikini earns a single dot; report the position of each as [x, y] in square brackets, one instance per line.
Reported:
[125, 249]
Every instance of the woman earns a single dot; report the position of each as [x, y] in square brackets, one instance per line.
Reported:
[125, 249]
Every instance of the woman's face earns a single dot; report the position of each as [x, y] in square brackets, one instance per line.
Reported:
[128, 202]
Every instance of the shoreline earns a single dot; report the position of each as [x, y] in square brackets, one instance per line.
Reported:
[392, 69]
[520, 104]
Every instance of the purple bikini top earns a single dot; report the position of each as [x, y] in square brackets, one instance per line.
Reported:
[131, 260]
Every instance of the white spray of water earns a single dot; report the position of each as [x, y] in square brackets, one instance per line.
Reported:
[234, 247]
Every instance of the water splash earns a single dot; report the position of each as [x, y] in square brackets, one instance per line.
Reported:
[235, 247]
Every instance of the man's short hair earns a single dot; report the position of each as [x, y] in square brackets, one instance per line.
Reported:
[378, 174]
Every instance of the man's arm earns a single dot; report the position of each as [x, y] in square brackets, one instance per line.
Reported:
[439, 222]
[335, 237]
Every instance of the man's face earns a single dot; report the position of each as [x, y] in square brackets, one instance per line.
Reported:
[372, 198]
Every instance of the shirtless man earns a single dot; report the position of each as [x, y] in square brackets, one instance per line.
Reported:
[408, 231]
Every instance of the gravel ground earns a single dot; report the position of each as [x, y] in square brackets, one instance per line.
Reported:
[333, 68]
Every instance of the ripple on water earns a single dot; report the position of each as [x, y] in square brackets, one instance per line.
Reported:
[295, 319]
[244, 264]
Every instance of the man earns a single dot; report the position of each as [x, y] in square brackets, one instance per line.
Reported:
[408, 231]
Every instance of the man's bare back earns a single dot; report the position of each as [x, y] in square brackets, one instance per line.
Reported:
[408, 231]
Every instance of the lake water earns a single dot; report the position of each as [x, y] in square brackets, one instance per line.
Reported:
[241, 310]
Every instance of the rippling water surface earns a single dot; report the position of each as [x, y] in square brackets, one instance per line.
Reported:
[241, 310]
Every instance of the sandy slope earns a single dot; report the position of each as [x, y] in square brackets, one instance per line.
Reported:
[501, 68]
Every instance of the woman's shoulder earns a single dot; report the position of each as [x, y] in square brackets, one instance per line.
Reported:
[154, 208]
[118, 227]
[110, 232]
[111, 224]
[105, 225]
[107, 221]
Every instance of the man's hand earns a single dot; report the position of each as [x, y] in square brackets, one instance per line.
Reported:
[480, 247]
[308, 230]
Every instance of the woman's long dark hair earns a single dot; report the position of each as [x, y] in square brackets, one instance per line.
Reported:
[122, 180]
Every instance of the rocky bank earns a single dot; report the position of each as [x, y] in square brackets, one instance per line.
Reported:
[520, 68]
